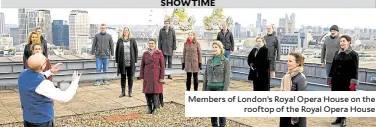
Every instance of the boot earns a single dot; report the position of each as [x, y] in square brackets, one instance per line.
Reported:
[122, 93]
[343, 122]
[130, 85]
[337, 121]
[153, 105]
[154, 110]
[161, 100]
[149, 103]
[130, 90]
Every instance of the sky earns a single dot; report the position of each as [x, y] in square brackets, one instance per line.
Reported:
[344, 18]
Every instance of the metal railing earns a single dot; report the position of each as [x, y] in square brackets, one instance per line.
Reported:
[314, 72]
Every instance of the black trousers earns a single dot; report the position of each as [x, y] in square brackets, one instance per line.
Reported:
[152, 101]
[168, 59]
[46, 124]
[286, 122]
[189, 82]
[340, 119]
[128, 74]
[214, 120]
[160, 98]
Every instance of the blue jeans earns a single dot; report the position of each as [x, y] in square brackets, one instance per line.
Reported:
[227, 54]
[102, 63]
[328, 67]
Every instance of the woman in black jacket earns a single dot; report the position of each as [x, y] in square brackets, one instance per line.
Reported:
[126, 57]
[259, 66]
[343, 75]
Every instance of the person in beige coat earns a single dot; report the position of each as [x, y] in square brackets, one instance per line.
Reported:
[192, 59]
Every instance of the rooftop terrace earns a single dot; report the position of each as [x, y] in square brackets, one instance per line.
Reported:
[92, 106]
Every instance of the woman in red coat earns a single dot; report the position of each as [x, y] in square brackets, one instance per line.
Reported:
[152, 74]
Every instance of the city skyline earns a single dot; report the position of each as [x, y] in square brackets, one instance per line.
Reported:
[344, 18]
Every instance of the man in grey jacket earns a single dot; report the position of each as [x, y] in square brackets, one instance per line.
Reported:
[273, 46]
[103, 49]
[330, 46]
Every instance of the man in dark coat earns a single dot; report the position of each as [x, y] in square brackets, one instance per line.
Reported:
[227, 39]
[273, 46]
[167, 42]
[43, 41]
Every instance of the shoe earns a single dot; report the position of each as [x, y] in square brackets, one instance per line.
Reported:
[122, 94]
[106, 82]
[130, 93]
[148, 111]
[97, 83]
[337, 121]
[343, 122]
[154, 111]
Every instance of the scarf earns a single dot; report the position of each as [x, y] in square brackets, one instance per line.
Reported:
[343, 50]
[189, 41]
[286, 82]
[151, 51]
[257, 47]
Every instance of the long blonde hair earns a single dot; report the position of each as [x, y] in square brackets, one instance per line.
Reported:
[122, 33]
[29, 37]
[220, 45]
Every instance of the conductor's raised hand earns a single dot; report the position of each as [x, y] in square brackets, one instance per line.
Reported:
[56, 67]
[76, 76]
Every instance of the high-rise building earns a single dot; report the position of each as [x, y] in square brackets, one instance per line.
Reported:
[263, 25]
[60, 33]
[288, 23]
[2, 22]
[237, 30]
[79, 30]
[43, 21]
[258, 21]
[26, 23]
[14, 32]
[282, 23]
[94, 29]
[6, 41]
